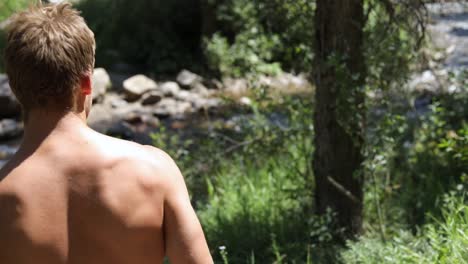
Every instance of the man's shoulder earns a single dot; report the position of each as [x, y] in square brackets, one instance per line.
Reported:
[148, 162]
[137, 152]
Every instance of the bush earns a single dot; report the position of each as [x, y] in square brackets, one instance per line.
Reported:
[157, 36]
[7, 8]
[415, 156]
[261, 37]
[444, 241]
[249, 54]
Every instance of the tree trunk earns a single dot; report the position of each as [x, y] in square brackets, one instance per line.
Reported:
[339, 111]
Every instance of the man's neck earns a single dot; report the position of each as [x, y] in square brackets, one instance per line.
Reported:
[41, 125]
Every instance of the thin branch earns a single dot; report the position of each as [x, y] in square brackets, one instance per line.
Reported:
[343, 190]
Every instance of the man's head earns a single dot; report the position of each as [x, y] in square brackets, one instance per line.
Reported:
[49, 58]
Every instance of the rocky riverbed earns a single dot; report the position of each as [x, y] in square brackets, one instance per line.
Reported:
[131, 107]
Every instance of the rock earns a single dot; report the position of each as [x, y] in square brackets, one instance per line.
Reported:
[10, 128]
[171, 107]
[201, 90]
[212, 83]
[101, 83]
[114, 100]
[207, 103]
[101, 118]
[138, 118]
[151, 98]
[9, 106]
[187, 96]
[169, 88]
[188, 79]
[105, 119]
[121, 130]
[235, 87]
[285, 83]
[150, 120]
[246, 101]
[138, 85]
[164, 108]
[426, 81]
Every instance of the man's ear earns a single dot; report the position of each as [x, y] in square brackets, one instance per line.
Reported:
[85, 85]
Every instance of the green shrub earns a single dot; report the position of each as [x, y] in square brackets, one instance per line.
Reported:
[261, 36]
[414, 157]
[7, 8]
[158, 36]
[249, 54]
[444, 241]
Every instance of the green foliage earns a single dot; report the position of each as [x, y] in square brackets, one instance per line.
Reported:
[249, 54]
[258, 207]
[393, 36]
[261, 37]
[159, 36]
[444, 241]
[414, 157]
[7, 8]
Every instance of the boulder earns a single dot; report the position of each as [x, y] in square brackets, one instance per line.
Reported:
[201, 90]
[165, 108]
[114, 100]
[169, 88]
[9, 106]
[101, 118]
[171, 107]
[188, 79]
[121, 130]
[101, 83]
[235, 87]
[187, 96]
[10, 128]
[424, 82]
[245, 101]
[135, 118]
[207, 103]
[212, 84]
[105, 119]
[138, 85]
[151, 98]
[285, 83]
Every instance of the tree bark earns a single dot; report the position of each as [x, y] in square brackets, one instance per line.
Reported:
[339, 111]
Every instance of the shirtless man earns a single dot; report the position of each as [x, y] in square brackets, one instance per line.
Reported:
[71, 195]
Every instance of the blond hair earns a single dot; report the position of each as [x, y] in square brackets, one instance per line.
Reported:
[49, 49]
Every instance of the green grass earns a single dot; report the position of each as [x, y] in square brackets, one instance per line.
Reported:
[256, 202]
[256, 210]
[444, 241]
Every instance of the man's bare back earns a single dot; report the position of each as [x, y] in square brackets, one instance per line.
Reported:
[79, 197]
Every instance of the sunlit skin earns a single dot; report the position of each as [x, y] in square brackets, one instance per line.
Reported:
[72, 195]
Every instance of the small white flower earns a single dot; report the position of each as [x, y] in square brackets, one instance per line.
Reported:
[222, 248]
